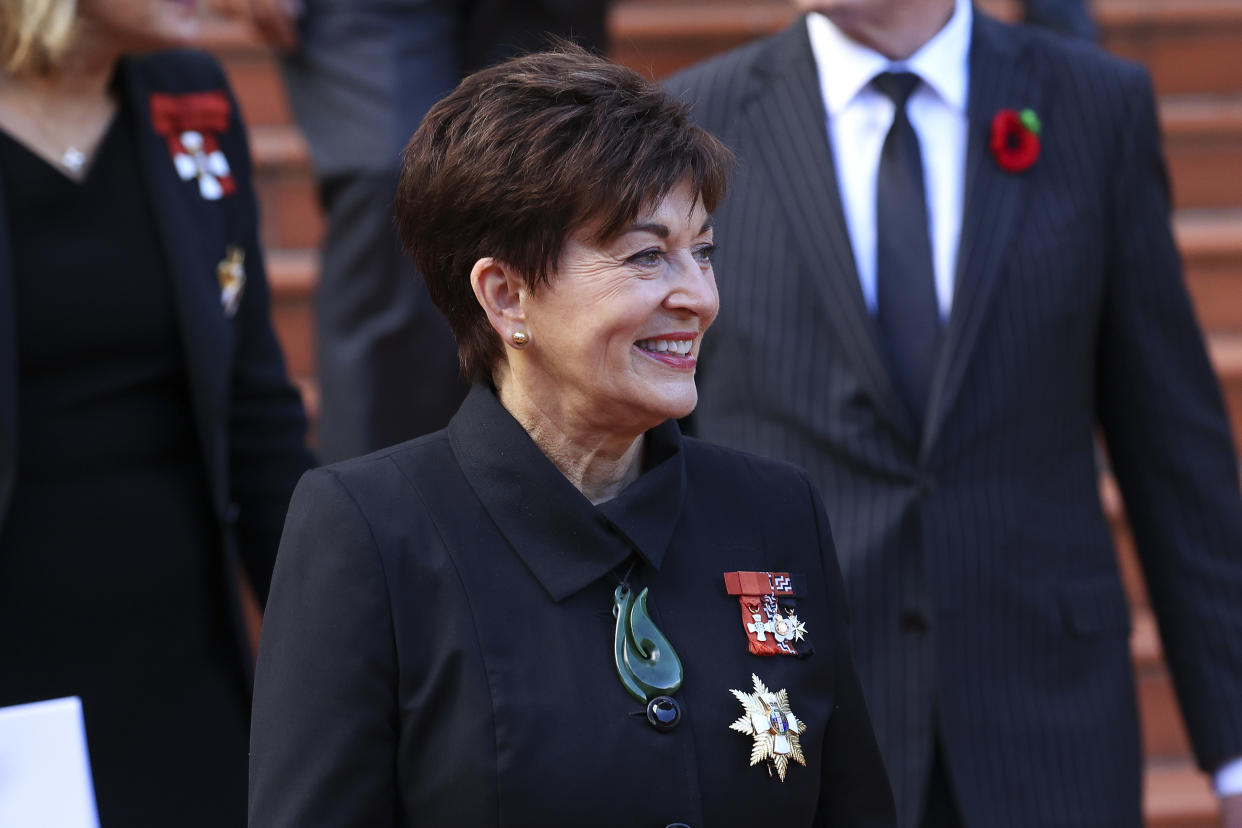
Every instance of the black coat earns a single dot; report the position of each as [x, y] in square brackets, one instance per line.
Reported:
[978, 562]
[249, 419]
[438, 649]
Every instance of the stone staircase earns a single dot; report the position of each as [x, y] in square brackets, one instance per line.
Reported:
[1194, 51]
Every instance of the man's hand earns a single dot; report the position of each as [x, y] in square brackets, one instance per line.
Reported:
[1231, 811]
[275, 20]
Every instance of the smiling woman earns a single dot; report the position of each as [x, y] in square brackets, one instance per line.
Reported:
[602, 377]
[531, 617]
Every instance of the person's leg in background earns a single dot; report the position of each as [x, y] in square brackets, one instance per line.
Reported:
[387, 359]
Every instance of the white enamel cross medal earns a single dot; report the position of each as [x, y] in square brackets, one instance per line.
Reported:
[773, 725]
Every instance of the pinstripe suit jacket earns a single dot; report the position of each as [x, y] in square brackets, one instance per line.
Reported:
[980, 569]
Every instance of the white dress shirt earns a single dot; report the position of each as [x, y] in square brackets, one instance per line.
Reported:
[859, 117]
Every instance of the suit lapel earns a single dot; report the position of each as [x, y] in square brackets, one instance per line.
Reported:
[799, 163]
[192, 235]
[994, 202]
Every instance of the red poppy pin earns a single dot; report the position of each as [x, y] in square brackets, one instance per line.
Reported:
[192, 125]
[1015, 139]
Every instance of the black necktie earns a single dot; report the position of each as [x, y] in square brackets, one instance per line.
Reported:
[906, 307]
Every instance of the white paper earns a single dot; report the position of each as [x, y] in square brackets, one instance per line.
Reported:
[45, 772]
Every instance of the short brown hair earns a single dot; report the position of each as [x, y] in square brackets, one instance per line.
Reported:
[522, 154]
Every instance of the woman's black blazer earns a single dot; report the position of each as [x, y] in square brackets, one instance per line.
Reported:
[249, 419]
[438, 647]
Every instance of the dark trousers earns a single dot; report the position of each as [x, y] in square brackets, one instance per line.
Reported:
[387, 361]
[940, 808]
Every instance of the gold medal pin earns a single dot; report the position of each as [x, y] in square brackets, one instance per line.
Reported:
[773, 726]
[231, 273]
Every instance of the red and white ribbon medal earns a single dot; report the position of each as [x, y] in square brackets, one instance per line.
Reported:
[769, 612]
[192, 125]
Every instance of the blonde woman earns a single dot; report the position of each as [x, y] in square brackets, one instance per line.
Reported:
[149, 439]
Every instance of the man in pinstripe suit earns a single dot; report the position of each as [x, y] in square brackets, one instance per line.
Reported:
[1040, 299]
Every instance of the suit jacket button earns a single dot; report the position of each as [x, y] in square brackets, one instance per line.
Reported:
[913, 621]
[664, 713]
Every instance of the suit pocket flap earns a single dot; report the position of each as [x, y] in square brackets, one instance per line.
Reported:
[1094, 606]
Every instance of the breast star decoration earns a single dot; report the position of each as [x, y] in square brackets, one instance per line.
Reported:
[773, 725]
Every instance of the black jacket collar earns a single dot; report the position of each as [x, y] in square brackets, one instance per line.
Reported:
[565, 541]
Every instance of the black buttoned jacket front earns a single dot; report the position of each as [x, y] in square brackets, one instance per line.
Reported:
[438, 646]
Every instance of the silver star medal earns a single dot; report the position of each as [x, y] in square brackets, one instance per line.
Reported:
[773, 726]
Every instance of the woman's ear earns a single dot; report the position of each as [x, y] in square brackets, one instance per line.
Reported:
[500, 291]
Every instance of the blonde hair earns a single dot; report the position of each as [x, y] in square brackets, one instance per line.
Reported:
[34, 33]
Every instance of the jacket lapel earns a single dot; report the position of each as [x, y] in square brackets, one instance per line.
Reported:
[799, 163]
[191, 231]
[8, 366]
[994, 202]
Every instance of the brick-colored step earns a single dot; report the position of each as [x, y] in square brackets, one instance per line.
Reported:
[1190, 46]
[1164, 731]
[291, 214]
[292, 275]
[1202, 142]
[253, 71]
[657, 39]
[1226, 352]
[1211, 245]
[1177, 795]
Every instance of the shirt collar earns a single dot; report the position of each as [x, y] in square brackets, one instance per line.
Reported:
[845, 66]
[565, 541]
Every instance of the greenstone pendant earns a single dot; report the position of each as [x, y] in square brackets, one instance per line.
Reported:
[646, 661]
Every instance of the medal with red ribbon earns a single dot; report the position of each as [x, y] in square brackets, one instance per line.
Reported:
[769, 612]
[192, 125]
